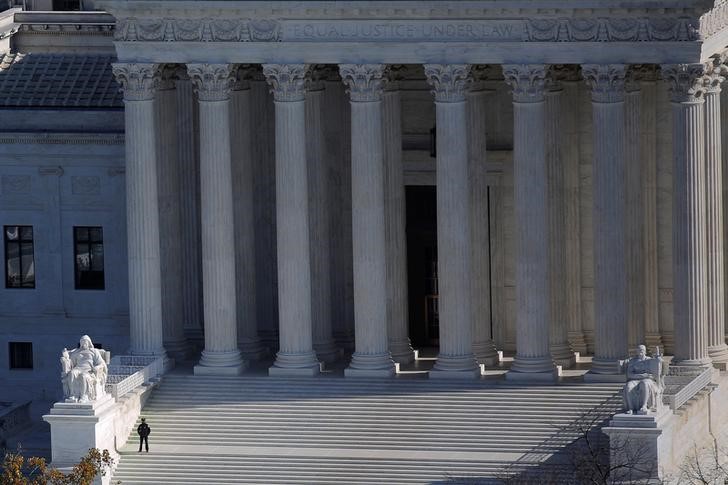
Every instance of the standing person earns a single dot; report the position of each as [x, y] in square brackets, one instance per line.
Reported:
[143, 431]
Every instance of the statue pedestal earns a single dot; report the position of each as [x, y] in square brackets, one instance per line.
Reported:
[634, 443]
[78, 427]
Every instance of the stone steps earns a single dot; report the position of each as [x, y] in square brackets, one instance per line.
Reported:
[349, 431]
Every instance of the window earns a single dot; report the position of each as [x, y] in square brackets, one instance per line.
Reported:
[88, 243]
[21, 355]
[19, 260]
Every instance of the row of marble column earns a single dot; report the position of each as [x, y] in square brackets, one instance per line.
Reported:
[380, 311]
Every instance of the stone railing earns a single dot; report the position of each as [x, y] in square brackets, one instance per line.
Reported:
[127, 372]
[682, 383]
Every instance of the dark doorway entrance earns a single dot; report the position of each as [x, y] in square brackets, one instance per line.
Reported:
[422, 265]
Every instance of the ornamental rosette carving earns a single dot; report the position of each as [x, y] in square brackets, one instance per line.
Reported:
[612, 29]
[527, 81]
[138, 81]
[450, 82]
[685, 82]
[364, 82]
[607, 81]
[212, 82]
[287, 81]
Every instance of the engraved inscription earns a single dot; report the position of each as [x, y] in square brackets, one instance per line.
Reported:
[16, 184]
[404, 30]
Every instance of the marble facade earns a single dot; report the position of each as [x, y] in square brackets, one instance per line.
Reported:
[580, 145]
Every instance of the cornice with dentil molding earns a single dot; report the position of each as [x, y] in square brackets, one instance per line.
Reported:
[138, 80]
[364, 82]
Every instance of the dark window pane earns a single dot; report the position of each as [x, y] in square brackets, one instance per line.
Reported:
[89, 258]
[81, 234]
[19, 258]
[95, 234]
[21, 355]
[11, 233]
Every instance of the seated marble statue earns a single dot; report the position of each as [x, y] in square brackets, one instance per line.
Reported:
[643, 391]
[83, 373]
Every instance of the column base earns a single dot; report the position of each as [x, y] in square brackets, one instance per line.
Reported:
[719, 355]
[298, 364]
[697, 363]
[252, 348]
[179, 350]
[552, 375]
[456, 363]
[606, 366]
[455, 374]
[228, 363]
[486, 353]
[327, 351]
[402, 351]
[577, 342]
[533, 365]
[653, 340]
[563, 355]
[370, 365]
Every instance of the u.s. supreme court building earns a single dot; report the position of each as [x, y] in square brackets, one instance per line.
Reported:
[522, 191]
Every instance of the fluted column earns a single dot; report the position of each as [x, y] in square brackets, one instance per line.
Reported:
[687, 95]
[395, 222]
[320, 236]
[139, 82]
[648, 148]
[477, 108]
[610, 271]
[717, 348]
[530, 173]
[365, 86]
[170, 226]
[569, 124]
[450, 83]
[244, 217]
[221, 355]
[634, 215]
[296, 355]
[559, 346]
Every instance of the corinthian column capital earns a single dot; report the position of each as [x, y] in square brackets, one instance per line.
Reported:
[139, 81]
[450, 82]
[685, 82]
[287, 81]
[527, 81]
[364, 82]
[607, 81]
[212, 82]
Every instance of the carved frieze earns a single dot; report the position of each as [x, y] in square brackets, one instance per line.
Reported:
[15, 184]
[571, 29]
[85, 185]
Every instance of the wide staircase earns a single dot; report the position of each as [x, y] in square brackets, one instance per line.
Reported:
[266, 430]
